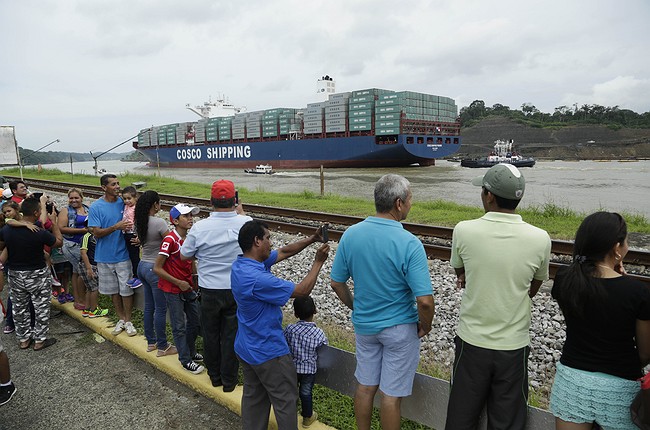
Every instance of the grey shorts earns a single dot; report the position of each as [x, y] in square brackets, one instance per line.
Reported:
[389, 359]
[72, 253]
[113, 278]
[92, 284]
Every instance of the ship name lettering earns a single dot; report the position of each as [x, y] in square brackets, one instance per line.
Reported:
[188, 154]
[221, 152]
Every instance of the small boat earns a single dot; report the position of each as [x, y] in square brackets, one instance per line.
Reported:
[261, 169]
[503, 153]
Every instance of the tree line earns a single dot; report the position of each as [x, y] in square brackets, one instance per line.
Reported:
[612, 117]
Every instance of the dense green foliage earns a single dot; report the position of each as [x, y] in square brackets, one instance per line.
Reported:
[612, 117]
[30, 157]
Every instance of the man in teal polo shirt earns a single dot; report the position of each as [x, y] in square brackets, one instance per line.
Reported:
[392, 302]
[501, 262]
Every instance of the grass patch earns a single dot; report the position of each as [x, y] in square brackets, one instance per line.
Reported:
[561, 222]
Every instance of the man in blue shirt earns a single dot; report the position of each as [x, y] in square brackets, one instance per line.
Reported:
[392, 302]
[213, 243]
[269, 372]
[113, 264]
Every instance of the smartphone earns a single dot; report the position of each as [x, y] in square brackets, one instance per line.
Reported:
[236, 197]
[323, 233]
[36, 196]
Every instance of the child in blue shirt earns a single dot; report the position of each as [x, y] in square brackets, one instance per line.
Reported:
[304, 339]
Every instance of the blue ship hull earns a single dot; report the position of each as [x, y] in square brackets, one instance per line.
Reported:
[349, 151]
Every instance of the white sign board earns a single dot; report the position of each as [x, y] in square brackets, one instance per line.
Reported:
[8, 149]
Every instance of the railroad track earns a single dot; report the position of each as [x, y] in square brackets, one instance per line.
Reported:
[436, 239]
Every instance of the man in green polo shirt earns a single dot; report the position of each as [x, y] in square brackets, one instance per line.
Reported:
[501, 262]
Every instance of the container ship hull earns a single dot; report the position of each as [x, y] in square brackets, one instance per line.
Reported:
[353, 151]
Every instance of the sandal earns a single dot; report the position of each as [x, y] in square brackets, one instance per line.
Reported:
[42, 345]
[24, 344]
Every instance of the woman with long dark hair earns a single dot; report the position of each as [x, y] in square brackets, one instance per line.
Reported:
[151, 230]
[607, 330]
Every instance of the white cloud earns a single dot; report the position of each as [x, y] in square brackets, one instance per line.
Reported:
[101, 70]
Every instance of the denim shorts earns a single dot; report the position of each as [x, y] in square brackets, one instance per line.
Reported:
[389, 359]
[72, 252]
[113, 278]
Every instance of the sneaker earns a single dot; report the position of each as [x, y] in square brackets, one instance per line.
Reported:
[6, 393]
[8, 329]
[134, 283]
[98, 312]
[170, 350]
[307, 421]
[86, 313]
[55, 282]
[197, 357]
[62, 299]
[130, 330]
[119, 327]
[193, 367]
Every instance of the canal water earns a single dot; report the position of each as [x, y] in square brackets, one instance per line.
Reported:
[583, 186]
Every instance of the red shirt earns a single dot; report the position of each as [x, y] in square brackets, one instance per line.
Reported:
[179, 269]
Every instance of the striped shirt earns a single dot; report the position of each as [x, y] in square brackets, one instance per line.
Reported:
[303, 339]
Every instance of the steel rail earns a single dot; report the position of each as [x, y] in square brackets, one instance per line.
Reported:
[559, 247]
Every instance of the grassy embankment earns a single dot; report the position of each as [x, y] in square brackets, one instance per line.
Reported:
[332, 407]
[560, 222]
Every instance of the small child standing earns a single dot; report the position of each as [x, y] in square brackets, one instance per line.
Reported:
[304, 339]
[88, 272]
[175, 280]
[130, 197]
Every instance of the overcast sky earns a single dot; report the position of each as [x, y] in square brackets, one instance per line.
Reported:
[92, 73]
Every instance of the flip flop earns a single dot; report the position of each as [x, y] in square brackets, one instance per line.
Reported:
[25, 344]
[42, 345]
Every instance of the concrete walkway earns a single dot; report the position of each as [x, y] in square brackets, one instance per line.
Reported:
[85, 382]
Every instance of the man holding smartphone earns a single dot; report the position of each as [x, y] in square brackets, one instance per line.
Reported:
[213, 243]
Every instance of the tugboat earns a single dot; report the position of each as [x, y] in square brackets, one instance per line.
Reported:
[503, 153]
[261, 169]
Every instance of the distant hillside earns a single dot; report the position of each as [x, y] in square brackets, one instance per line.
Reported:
[563, 142]
[30, 157]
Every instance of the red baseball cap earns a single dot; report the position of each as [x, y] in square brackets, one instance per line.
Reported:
[223, 189]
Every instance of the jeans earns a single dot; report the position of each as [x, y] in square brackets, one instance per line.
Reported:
[184, 315]
[306, 384]
[155, 306]
[219, 323]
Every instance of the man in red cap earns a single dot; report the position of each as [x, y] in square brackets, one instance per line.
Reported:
[213, 243]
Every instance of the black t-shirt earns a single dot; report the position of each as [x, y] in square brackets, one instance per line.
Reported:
[25, 247]
[603, 340]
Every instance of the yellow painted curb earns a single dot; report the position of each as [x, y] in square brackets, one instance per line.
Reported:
[137, 345]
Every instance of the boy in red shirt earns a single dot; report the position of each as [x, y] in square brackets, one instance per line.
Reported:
[175, 280]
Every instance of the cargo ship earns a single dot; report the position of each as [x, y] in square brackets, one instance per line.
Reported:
[364, 128]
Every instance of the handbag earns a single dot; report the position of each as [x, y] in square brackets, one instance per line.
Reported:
[640, 407]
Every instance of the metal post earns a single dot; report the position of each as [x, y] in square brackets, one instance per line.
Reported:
[322, 181]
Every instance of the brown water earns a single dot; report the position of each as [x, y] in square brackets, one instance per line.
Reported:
[584, 186]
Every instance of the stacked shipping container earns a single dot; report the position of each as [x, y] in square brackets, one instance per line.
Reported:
[358, 111]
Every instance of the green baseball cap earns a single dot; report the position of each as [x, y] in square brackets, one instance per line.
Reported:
[503, 180]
